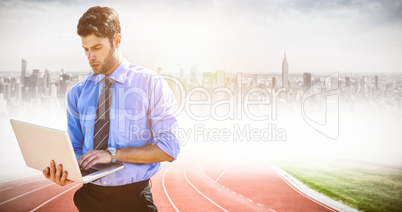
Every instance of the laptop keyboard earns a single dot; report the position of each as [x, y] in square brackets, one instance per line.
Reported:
[88, 171]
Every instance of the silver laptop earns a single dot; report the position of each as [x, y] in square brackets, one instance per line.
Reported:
[39, 145]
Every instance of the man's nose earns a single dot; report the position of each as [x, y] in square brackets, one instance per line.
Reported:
[91, 56]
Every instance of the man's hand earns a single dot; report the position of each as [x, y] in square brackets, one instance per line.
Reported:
[55, 175]
[93, 157]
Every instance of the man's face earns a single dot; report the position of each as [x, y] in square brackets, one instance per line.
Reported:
[102, 57]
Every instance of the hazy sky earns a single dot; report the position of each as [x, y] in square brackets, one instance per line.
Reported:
[236, 35]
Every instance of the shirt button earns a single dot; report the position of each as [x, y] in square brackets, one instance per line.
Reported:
[104, 182]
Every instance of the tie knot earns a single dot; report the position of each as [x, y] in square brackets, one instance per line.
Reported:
[108, 82]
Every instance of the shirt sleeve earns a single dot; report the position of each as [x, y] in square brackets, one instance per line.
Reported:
[161, 114]
[73, 121]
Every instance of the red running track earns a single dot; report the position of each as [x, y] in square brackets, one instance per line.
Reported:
[179, 186]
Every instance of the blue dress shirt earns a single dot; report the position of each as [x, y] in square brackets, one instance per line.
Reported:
[141, 113]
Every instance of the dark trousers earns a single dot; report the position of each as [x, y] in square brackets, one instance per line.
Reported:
[131, 197]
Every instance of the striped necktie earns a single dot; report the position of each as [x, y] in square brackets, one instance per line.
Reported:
[102, 121]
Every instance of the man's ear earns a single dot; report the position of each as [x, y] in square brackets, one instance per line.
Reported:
[117, 40]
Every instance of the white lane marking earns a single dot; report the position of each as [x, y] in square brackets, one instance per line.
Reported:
[164, 188]
[202, 169]
[26, 193]
[272, 210]
[5, 189]
[55, 197]
[300, 192]
[20, 185]
[185, 176]
[32, 176]
[223, 172]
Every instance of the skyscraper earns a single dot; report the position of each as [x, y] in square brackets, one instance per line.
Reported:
[23, 71]
[193, 76]
[285, 72]
[220, 78]
[207, 80]
[347, 81]
[273, 86]
[334, 83]
[306, 81]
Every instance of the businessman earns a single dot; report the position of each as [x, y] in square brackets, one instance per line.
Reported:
[119, 113]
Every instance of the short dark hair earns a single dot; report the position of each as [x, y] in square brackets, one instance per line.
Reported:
[101, 21]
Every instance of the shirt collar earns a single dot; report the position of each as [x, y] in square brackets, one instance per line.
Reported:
[119, 75]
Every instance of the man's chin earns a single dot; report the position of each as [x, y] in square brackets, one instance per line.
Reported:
[96, 71]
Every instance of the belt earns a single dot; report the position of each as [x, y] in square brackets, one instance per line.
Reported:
[136, 187]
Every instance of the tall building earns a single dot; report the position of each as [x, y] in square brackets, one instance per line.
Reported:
[23, 71]
[334, 83]
[220, 78]
[254, 80]
[2, 86]
[347, 82]
[193, 76]
[376, 82]
[207, 80]
[306, 81]
[285, 72]
[273, 82]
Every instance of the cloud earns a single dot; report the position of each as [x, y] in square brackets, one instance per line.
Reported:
[361, 12]
[234, 35]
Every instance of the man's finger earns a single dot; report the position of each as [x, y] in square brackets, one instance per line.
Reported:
[52, 170]
[84, 157]
[64, 177]
[46, 173]
[88, 160]
[90, 164]
[58, 173]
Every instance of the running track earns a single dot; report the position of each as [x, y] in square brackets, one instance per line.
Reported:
[179, 186]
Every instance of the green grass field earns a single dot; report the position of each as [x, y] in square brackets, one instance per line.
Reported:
[361, 186]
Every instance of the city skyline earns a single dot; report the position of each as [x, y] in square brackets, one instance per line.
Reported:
[38, 88]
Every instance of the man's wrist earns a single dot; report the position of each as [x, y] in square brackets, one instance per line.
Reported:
[112, 152]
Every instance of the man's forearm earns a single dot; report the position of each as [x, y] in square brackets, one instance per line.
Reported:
[145, 154]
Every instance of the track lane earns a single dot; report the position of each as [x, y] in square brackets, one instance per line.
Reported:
[182, 194]
[160, 194]
[225, 197]
[180, 186]
[265, 187]
[60, 202]
[31, 195]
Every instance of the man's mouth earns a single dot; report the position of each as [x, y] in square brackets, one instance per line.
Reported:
[94, 66]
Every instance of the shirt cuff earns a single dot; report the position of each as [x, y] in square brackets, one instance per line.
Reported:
[168, 143]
